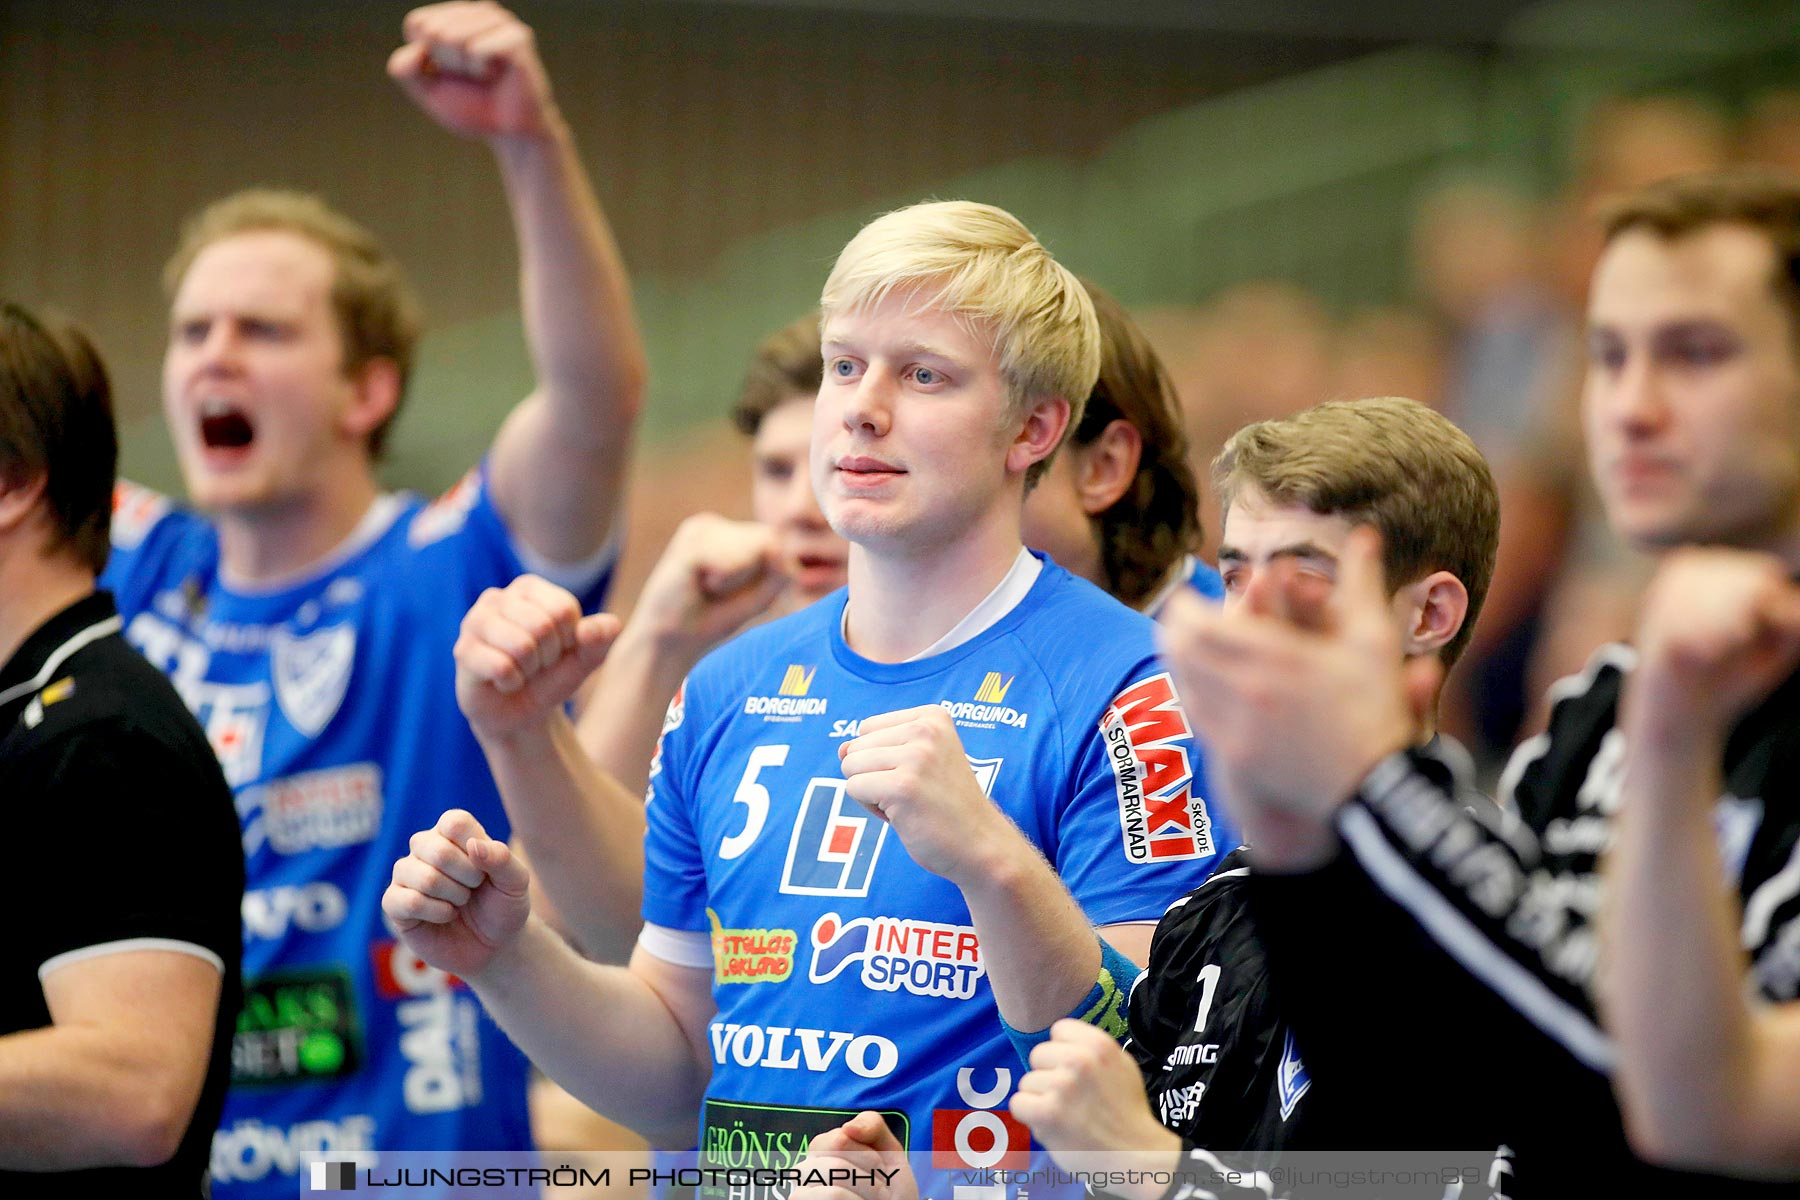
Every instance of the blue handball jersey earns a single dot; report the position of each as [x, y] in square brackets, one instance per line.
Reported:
[846, 976]
[331, 704]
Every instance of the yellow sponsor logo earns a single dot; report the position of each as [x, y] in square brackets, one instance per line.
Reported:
[751, 955]
[797, 680]
[993, 689]
[62, 689]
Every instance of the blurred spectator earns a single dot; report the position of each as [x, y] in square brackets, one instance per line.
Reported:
[1260, 350]
[1512, 344]
[1390, 351]
[1625, 144]
[1771, 133]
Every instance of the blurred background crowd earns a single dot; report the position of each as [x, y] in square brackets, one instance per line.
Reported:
[1333, 200]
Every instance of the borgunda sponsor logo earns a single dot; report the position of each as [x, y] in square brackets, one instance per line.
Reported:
[792, 700]
[984, 714]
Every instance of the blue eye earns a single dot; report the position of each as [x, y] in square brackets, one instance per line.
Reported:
[843, 368]
[925, 376]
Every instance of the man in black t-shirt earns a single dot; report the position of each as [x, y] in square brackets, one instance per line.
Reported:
[119, 971]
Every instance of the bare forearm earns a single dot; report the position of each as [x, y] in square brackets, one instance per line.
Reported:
[582, 832]
[1041, 954]
[574, 291]
[602, 1032]
[1673, 975]
[74, 1097]
[559, 461]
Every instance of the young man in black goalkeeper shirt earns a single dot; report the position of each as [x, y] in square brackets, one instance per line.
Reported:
[1219, 1062]
[119, 972]
[1446, 967]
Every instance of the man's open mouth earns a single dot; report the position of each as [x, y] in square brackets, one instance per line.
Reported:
[224, 427]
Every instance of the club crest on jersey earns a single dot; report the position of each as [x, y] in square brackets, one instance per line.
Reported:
[791, 701]
[312, 674]
[1291, 1077]
[924, 957]
[835, 844]
[1163, 818]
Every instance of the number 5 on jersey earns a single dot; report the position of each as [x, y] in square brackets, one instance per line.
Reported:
[834, 844]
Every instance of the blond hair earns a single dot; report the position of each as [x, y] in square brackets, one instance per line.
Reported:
[1387, 462]
[377, 314]
[980, 263]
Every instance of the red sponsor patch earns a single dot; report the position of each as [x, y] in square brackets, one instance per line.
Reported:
[400, 974]
[978, 1139]
[1148, 742]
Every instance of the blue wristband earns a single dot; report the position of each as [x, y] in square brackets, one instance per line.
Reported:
[1103, 1007]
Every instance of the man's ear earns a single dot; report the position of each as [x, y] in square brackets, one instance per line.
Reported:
[1105, 467]
[1434, 608]
[375, 396]
[1040, 433]
[20, 498]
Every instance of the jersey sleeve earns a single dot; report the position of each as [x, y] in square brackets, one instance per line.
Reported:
[144, 527]
[674, 867]
[1156, 1012]
[462, 533]
[1138, 830]
[153, 856]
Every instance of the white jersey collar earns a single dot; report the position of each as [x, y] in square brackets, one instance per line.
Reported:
[375, 522]
[1003, 599]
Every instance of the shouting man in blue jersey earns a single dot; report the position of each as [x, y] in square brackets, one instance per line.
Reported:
[307, 617]
[801, 962]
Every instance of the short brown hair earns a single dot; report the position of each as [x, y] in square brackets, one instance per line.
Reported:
[1387, 462]
[1764, 200]
[56, 421]
[787, 365]
[1157, 520]
[377, 314]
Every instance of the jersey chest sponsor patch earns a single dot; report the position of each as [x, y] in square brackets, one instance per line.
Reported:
[297, 1026]
[983, 1135]
[1148, 744]
[770, 1137]
[751, 955]
[891, 953]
